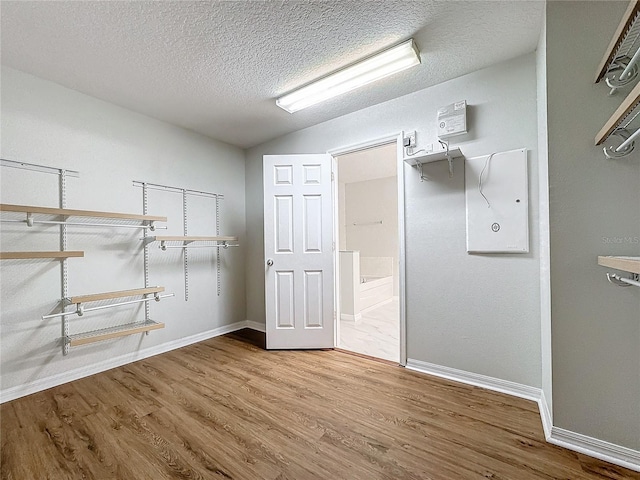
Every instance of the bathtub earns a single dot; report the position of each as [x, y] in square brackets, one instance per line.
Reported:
[375, 291]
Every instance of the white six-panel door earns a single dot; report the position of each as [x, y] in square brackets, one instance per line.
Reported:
[298, 238]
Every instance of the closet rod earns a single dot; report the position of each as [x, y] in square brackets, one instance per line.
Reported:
[629, 68]
[80, 310]
[78, 224]
[629, 140]
[224, 245]
[616, 279]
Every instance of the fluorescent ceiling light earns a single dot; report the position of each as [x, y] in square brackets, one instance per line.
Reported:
[365, 71]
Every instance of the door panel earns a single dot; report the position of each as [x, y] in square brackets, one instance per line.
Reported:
[312, 213]
[285, 303]
[298, 221]
[283, 223]
[313, 293]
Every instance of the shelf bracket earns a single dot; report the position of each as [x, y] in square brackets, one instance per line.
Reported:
[422, 176]
[622, 72]
[445, 144]
[626, 146]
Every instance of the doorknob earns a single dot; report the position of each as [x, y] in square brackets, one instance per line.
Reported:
[269, 262]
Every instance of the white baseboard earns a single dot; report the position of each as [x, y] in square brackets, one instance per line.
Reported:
[475, 379]
[593, 447]
[545, 415]
[260, 327]
[351, 318]
[75, 374]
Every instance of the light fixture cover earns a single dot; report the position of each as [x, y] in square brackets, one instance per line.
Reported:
[383, 64]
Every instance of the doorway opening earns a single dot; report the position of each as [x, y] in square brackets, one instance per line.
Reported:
[368, 254]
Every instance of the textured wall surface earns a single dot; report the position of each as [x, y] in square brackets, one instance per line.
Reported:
[594, 210]
[216, 67]
[477, 313]
[46, 124]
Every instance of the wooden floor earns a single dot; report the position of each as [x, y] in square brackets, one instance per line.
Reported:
[226, 409]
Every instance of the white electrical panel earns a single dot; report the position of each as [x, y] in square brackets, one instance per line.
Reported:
[497, 199]
[452, 119]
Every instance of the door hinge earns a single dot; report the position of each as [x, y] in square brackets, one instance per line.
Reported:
[333, 178]
[333, 246]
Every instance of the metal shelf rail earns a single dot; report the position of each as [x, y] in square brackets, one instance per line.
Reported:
[186, 241]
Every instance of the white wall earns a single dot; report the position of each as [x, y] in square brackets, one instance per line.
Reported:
[594, 207]
[476, 313]
[47, 124]
[373, 201]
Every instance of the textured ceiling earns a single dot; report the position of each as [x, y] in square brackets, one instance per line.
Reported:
[216, 67]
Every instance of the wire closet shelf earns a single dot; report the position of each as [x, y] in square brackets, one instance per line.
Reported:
[619, 66]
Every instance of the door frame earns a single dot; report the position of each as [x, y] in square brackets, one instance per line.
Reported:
[377, 142]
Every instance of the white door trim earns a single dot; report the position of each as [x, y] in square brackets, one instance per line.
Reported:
[384, 140]
[392, 137]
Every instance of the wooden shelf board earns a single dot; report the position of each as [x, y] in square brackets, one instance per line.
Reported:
[627, 264]
[618, 37]
[119, 294]
[114, 332]
[26, 255]
[626, 107]
[169, 238]
[433, 157]
[5, 207]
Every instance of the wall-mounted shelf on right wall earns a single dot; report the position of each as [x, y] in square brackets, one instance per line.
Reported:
[619, 124]
[419, 160]
[433, 157]
[618, 67]
[627, 264]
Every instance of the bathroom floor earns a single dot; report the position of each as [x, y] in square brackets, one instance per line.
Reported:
[376, 334]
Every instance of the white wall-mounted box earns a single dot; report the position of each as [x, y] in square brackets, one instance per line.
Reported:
[452, 119]
[497, 201]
